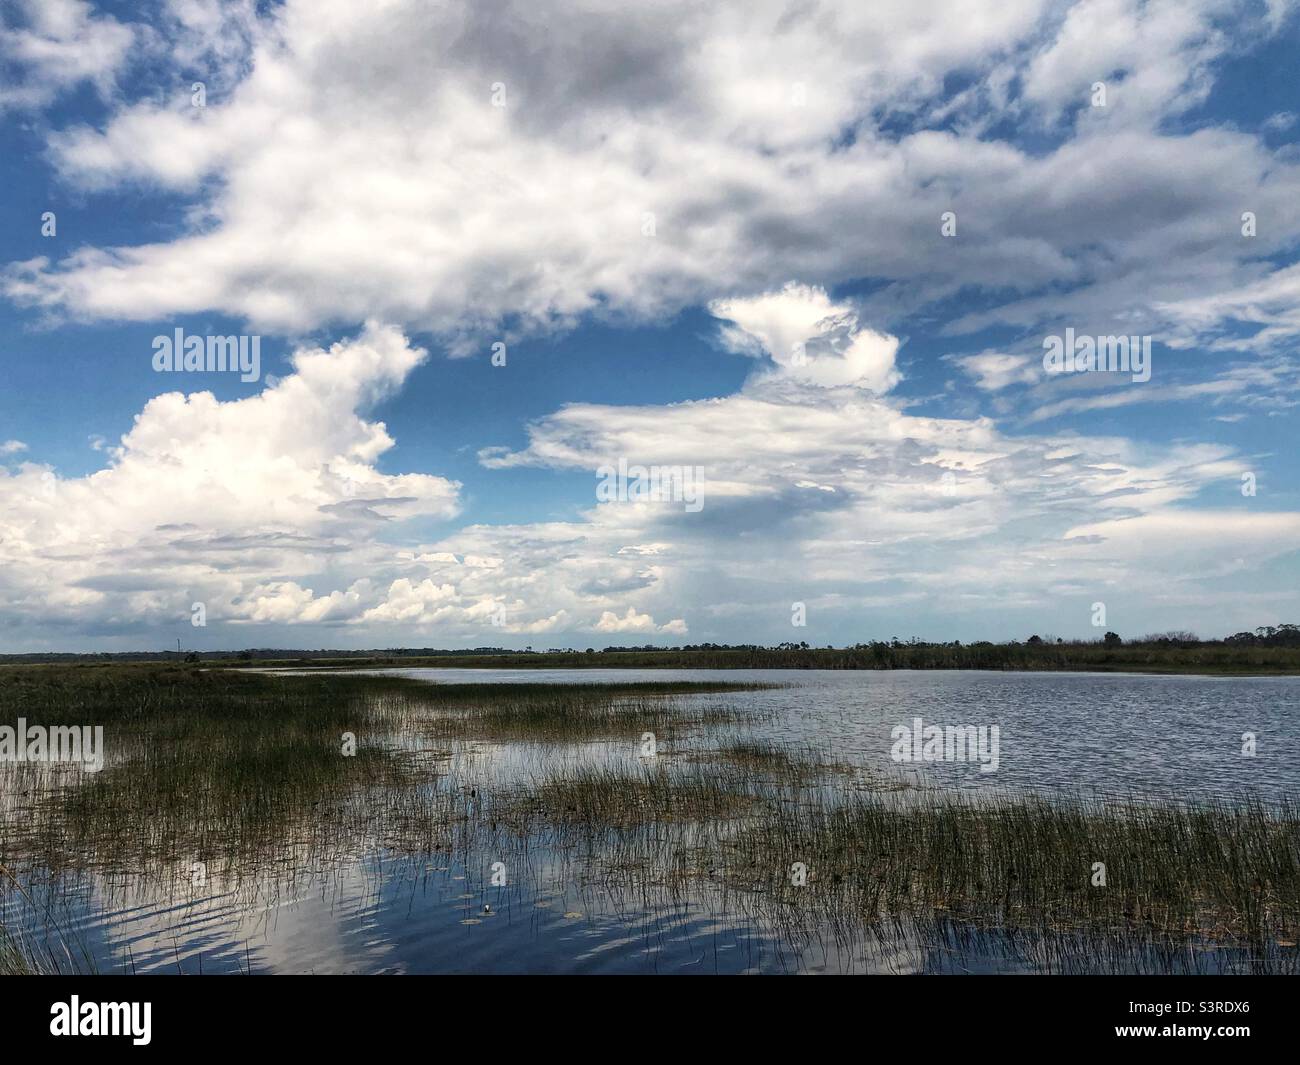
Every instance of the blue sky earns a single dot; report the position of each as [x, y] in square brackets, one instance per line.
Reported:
[709, 240]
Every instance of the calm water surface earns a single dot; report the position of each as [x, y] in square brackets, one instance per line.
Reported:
[1175, 736]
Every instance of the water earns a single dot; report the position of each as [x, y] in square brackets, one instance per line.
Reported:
[1177, 737]
[1171, 736]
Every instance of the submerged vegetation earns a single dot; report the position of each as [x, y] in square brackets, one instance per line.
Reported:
[251, 775]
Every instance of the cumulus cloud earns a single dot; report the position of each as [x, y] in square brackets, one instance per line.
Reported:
[200, 494]
[809, 338]
[633, 622]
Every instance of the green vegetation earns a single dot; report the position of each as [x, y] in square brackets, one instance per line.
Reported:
[1267, 650]
[762, 760]
[1222, 873]
[1221, 658]
[199, 763]
[571, 713]
[601, 799]
[1175, 879]
[242, 768]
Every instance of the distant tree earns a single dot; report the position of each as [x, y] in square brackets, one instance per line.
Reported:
[1035, 639]
[1179, 636]
[192, 657]
[1112, 639]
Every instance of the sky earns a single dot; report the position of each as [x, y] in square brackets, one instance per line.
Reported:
[592, 323]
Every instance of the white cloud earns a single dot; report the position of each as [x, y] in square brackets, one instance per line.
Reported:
[408, 602]
[633, 622]
[354, 165]
[50, 46]
[271, 512]
[1280, 121]
[994, 371]
[201, 495]
[1258, 315]
[1151, 55]
[809, 338]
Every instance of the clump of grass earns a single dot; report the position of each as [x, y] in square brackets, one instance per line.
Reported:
[235, 803]
[572, 713]
[463, 693]
[202, 766]
[169, 700]
[619, 799]
[1219, 871]
[763, 760]
[15, 958]
[1219, 875]
[25, 954]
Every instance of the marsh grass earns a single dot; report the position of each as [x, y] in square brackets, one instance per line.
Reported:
[200, 765]
[1214, 869]
[762, 760]
[19, 958]
[1219, 874]
[171, 701]
[246, 771]
[576, 713]
[50, 951]
[601, 799]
